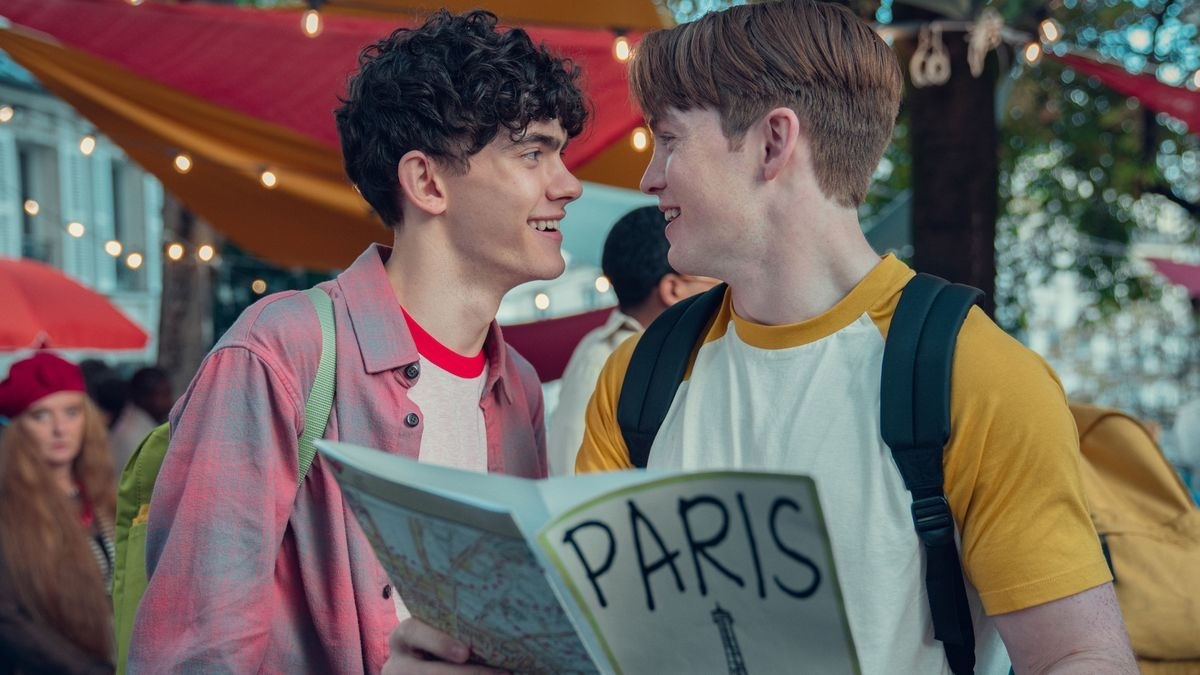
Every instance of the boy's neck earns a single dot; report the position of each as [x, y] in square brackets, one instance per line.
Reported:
[452, 306]
[813, 262]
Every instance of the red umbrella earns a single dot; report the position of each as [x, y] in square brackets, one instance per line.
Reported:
[42, 307]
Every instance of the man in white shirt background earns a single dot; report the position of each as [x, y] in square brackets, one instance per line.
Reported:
[150, 401]
[635, 261]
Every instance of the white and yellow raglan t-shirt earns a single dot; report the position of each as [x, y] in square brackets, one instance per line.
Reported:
[804, 398]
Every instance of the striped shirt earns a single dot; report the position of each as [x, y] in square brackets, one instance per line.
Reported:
[245, 574]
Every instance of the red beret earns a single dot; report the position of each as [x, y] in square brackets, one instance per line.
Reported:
[34, 378]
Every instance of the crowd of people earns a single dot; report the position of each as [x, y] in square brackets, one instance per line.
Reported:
[768, 121]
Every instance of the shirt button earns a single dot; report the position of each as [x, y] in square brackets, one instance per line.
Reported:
[411, 419]
[412, 370]
[387, 591]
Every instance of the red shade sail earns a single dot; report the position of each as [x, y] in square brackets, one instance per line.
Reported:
[42, 307]
[1178, 102]
[259, 62]
[548, 344]
[243, 90]
[1182, 274]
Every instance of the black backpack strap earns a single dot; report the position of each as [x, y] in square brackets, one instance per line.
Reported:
[915, 423]
[657, 366]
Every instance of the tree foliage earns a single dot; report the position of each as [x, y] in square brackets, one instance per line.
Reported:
[1087, 172]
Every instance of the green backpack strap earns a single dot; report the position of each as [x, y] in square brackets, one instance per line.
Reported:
[320, 399]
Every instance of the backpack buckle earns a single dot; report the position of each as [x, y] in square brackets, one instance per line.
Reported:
[934, 524]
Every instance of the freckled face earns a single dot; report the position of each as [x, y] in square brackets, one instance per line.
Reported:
[56, 423]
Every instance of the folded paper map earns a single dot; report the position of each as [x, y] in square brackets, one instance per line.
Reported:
[623, 572]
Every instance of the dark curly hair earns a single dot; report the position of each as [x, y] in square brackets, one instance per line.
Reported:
[446, 89]
[635, 256]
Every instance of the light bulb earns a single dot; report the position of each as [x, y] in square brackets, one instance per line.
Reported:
[622, 50]
[1049, 30]
[1032, 53]
[311, 24]
[640, 139]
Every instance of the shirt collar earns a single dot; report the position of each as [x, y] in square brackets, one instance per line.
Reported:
[382, 335]
[617, 322]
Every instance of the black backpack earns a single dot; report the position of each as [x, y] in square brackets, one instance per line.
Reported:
[914, 420]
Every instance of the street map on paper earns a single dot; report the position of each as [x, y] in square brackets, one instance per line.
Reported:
[486, 589]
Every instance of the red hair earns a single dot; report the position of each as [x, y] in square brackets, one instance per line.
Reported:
[44, 543]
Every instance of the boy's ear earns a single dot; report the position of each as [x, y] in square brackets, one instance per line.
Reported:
[781, 138]
[420, 179]
[671, 289]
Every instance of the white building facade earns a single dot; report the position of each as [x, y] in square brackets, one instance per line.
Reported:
[67, 193]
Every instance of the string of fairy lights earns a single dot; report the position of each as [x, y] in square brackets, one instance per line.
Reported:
[184, 161]
[929, 66]
[133, 258]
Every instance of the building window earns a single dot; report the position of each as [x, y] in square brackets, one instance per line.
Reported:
[37, 168]
[129, 225]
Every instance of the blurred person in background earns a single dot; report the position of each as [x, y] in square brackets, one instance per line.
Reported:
[635, 261]
[106, 387]
[58, 499]
[150, 401]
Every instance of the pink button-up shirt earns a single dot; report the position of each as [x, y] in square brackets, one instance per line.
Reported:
[248, 575]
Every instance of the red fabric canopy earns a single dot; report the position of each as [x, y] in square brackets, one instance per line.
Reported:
[548, 344]
[244, 90]
[1182, 274]
[1178, 102]
[259, 62]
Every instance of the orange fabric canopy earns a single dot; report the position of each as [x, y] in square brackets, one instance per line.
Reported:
[244, 90]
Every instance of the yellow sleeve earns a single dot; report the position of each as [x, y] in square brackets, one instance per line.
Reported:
[1012, 476]
[603, 447]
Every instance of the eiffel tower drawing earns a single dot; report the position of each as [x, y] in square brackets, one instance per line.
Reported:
[733, 653]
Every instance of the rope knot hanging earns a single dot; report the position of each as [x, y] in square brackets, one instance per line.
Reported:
[984, 36]
[930, 65]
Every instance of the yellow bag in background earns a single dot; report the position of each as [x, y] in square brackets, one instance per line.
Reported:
[1151, 530]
